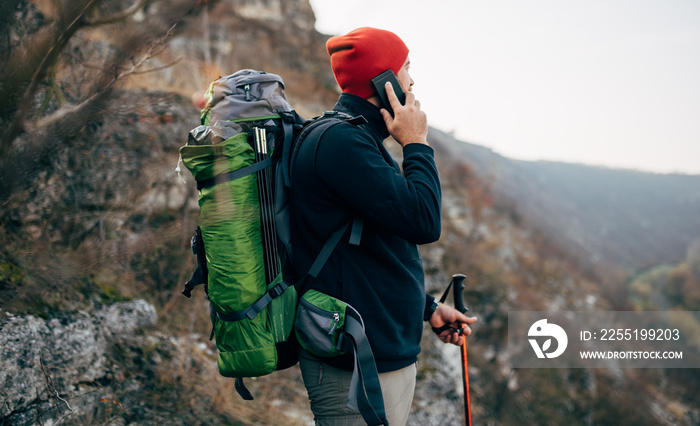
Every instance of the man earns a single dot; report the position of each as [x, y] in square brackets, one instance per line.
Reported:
[347, 173]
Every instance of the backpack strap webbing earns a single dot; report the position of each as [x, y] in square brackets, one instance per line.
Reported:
[251, 311]
[332, 242]
[365, 393]
[199, 276]
[242, 389]
[288, 129]
[243, 171]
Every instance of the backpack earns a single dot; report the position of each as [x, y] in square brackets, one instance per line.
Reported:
[241, 158]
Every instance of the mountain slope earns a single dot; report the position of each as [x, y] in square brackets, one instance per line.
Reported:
[626, 218]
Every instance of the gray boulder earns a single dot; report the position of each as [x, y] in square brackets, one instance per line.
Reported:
[48, 359]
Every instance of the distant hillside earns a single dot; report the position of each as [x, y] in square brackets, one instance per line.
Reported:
[629, 218]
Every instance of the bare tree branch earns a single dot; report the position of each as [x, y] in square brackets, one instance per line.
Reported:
[64, 112]
[118, 16]
[160, 68]
[61, 39]
[30, 64]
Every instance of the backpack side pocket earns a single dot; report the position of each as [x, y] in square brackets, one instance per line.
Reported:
[319, 324]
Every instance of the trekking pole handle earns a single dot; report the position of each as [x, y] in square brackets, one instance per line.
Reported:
[458, 287]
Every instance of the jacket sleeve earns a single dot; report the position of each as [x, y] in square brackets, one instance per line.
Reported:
[350, 163]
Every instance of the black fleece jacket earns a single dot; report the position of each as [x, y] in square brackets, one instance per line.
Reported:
[348, 173]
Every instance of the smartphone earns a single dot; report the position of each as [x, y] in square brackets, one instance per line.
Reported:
[379, 82]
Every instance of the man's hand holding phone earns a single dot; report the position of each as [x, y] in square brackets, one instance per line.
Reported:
[409, 124]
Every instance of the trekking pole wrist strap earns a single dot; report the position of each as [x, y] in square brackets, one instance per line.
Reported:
[431, 305]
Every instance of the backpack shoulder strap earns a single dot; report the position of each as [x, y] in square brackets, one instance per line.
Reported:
[321, 124]
[288, 129]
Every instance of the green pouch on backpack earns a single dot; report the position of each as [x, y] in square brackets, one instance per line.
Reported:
[319, 324]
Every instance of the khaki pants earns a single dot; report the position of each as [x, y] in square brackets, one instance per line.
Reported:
[328, 388]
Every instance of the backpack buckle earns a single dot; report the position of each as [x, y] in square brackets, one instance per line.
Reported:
[276, 291]
[286, 116]
[194, 244]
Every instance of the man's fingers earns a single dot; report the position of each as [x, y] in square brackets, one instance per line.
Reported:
[465, 319]
[455, 335]
[388, 119]
[391, 95]
[458, 327]
[454, 338]
[450, 337]
[466, 330]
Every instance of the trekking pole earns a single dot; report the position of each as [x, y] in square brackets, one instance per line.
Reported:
[457, 284]
[457, 281]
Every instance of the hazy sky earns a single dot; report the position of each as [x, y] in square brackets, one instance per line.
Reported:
[605, 82]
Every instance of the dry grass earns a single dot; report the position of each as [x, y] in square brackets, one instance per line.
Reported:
[280, 398]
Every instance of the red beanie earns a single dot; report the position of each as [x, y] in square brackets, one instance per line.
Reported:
[361, 55]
